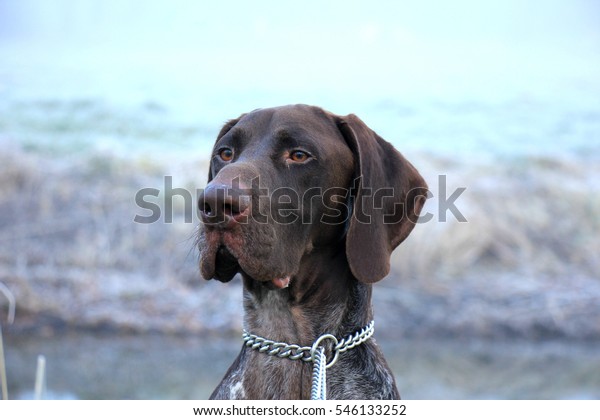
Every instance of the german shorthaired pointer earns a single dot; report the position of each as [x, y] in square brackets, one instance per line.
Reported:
[308, 207]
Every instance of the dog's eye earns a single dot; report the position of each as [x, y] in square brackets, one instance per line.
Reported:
[226, 154]
[299, 156]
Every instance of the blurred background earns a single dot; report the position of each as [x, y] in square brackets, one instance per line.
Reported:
[99, 99]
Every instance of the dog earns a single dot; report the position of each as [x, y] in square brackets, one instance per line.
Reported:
[307, 206]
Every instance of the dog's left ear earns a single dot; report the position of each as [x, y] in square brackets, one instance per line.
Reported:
[388, 194]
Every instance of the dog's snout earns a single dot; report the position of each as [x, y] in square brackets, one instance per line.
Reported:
[223, 205]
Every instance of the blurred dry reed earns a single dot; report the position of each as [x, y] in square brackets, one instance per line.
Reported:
[69, 247]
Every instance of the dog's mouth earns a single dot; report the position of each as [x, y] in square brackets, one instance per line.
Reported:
[226, 265]
[223, 256]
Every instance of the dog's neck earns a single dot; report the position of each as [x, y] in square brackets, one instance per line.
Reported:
[322, 298]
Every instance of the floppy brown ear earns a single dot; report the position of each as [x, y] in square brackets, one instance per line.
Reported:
[224, 130]
[389, 194]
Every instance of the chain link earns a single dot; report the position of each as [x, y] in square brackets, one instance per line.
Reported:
[318, 390]
[296, 352]
[272, 348]
[314, 354]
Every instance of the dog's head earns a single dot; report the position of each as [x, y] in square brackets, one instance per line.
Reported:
[289, 181]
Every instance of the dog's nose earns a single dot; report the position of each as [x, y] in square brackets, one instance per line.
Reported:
[223, 205]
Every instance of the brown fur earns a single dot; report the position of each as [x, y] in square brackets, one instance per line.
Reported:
[333, 247]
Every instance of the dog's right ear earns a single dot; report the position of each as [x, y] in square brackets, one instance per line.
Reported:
[228, 126]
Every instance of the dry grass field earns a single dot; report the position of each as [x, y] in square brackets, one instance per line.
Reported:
[524, 263]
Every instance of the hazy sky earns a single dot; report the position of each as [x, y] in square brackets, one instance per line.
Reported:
[373, 48]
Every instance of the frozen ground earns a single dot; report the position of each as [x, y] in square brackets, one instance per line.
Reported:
[525, 262]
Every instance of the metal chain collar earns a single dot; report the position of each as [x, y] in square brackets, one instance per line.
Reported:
[314, 354]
